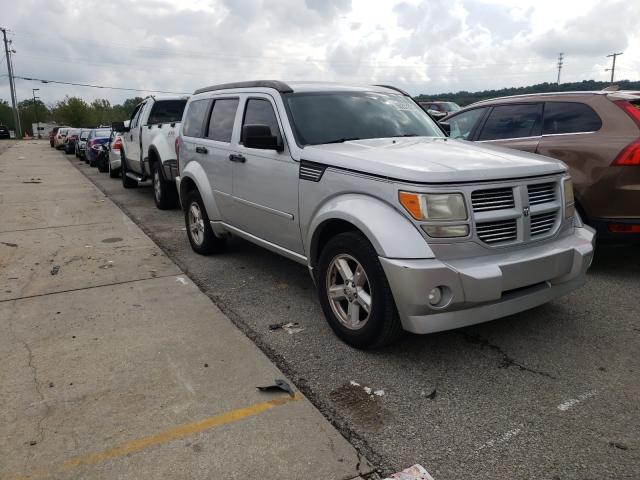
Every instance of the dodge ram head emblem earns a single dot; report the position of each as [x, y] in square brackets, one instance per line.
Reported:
[525, 211]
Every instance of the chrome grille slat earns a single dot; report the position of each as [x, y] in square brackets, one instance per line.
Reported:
[541, 193]
[497, 232]
[542, 223]
[492, 199]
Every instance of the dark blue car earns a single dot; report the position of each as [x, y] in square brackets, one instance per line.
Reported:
[97, 137]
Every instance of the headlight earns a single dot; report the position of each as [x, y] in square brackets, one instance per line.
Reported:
[569, 201]
[434, 206]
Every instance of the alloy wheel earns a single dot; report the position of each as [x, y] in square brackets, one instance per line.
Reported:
[196, 223]
[349, 291]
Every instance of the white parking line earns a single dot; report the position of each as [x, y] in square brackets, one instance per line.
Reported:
[572, 402]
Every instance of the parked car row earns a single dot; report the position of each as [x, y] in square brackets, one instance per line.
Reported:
[400, 226]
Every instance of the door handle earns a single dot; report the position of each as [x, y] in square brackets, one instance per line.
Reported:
[236, 157]
[202, 150]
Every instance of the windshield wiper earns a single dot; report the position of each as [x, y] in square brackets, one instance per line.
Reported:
[340, 140]
[407, 135]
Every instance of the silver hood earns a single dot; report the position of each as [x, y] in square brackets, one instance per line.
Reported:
[432, 160]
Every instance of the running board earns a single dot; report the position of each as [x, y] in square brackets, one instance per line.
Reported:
[135, 177]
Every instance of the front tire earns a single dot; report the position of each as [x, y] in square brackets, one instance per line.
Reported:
[199, 231]
[354, 293]
[164, 193]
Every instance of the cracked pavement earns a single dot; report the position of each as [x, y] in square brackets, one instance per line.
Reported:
[480, 402]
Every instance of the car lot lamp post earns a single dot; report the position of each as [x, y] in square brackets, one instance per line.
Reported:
[35, 106]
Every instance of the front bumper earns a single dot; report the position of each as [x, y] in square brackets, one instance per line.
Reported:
[484, 288]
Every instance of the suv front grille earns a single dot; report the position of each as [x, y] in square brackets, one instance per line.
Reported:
[543, 223]
[492, 199]
[497, 232]
[516, 213]
[541, 193]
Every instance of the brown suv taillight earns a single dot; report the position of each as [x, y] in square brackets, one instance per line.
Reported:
[630, 155]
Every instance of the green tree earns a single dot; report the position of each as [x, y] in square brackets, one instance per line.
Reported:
[6, 114]
[73, 111]
[32, 111]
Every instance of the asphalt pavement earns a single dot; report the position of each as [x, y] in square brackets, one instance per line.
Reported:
[552, 393]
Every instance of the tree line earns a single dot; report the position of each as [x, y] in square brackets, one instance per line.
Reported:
[463, 98]
[72, 111]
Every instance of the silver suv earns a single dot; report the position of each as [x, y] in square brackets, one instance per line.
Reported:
[400, 227]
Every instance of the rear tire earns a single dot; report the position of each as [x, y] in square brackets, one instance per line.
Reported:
[199, 231]
[381, 324]
[126, 181]
[164, 192]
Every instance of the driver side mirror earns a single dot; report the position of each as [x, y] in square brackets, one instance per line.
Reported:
[119, 127]
[446, 128]
[259, 136]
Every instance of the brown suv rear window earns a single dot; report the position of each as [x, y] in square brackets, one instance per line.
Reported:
[569, 117]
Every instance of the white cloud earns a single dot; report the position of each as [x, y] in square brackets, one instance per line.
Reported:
[425, 46]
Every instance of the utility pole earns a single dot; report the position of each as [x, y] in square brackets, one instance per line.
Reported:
[12, 86]
[35, 106]
[560, 57]
[613, 66]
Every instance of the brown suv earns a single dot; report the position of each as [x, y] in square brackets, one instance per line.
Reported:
[597, 134]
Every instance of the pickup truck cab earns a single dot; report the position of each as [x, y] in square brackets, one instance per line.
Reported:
[400, 226]
[148, 147]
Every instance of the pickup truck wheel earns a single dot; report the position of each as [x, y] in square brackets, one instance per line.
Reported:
[126, 181]
[354, 293]
[199, 231]
[164, 193]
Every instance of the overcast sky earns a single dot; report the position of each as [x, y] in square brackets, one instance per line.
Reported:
[424, 46]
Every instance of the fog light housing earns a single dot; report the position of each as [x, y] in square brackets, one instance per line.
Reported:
[446, 231]
[435, 296]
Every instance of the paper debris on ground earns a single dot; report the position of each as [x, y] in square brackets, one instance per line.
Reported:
[415, 472]
[290, 327]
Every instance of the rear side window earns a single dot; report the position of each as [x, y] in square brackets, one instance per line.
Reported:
[223, 115]
[167, 111]
[260, 112]
[193, 125]
[569, 117]
[463, 124]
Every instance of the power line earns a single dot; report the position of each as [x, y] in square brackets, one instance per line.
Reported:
[99, 86]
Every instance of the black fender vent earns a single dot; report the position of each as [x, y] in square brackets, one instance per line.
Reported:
[311, 171]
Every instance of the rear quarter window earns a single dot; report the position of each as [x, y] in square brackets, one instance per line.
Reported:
[569, 117]
[193, 125]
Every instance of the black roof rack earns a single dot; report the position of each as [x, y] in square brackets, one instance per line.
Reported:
[394, 88]
[275, 84]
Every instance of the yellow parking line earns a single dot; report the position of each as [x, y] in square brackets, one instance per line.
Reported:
[176, 433]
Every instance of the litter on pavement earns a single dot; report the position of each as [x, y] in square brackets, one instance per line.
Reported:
[279, 385]
[415, 472]
[290, 327]
[55, 269]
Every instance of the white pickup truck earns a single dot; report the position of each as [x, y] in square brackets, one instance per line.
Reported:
[148, 147]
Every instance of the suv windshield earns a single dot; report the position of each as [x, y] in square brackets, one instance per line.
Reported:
[449, 107]
[333, 117]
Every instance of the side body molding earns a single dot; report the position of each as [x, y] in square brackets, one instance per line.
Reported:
[390, 232]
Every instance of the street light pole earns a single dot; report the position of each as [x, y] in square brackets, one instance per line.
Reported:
[35, 106]
[12, 85]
